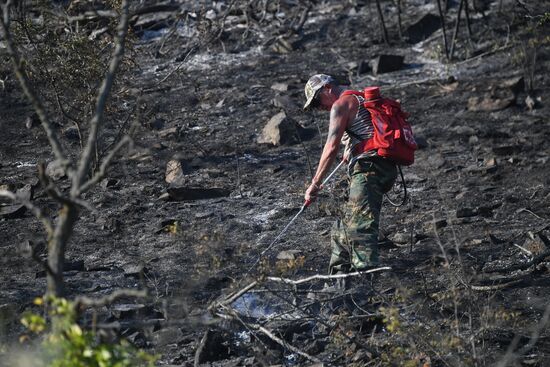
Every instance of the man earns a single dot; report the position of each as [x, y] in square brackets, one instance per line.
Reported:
[354, 239]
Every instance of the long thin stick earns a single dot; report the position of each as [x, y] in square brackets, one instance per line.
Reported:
[304, 206]
[326, 277]
[442, 18]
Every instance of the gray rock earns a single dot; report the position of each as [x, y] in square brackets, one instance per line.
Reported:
[280, 87]
[423, 28]
[401, 238]
[466, 212]
[32, 121]
[421, 142]
[12, 211]
[490, 102]
[26, 192]
[173, 131]
[174, 171]
[386, 64]
[170, 335]
[285, 102]
[363, 67]
[289, 255]
[55, 171]
[279, 130]
[156, 123]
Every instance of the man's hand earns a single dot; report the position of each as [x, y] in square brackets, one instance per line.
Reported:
[311, 192]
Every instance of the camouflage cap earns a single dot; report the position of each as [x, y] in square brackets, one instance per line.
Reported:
[313, 85]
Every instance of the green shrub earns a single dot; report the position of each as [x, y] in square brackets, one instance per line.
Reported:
[65, 344]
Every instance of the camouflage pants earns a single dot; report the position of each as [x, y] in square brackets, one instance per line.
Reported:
[354, 239]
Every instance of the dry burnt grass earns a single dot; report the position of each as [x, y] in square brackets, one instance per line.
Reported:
[460, 291]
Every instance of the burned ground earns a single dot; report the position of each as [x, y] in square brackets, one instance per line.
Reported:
[461, 289]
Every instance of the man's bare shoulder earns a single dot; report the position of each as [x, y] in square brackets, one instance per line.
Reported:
[348, 102]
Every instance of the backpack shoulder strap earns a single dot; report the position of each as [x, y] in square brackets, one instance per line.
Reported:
[352, 92]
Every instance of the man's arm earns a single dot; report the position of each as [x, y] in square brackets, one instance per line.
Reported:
[339, 116]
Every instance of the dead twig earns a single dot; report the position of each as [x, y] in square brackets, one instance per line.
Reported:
[87, 302]
[104, 90]
[233, 314]
[326, 277]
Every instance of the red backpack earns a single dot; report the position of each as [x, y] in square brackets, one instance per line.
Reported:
[393, 137]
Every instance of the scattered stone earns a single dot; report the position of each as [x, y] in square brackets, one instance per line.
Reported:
[26, 248]
[12, 211]
[32, 121]
[156, 123]
[464, 130]
[411, 177]
[77, 265]
[423, 28]
[173, 131]
[507, 149]
[491, 102]
[516, 84]
[289, 255]
[182, 193]
[466, 212]
[203, 215]
[440, 223]
[284, 46]
[363, 67]
[55, 171]
[126, 310]
[71, 133]
[436, 161]
[280, 87]
[279, 130]
[530, 103]
[109, 183]
[421, 142]
[174, 171]
[170, 335]
[285, 102]
[534, 244]
[26, 192]
[165, 196]
[134, 270]
[386, 64]
[401, 238]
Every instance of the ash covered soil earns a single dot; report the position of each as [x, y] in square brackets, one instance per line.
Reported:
[461, 289]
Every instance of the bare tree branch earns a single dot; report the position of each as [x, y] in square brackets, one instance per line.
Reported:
[87, 302]
[104, 90]
[104, 165]
[325, 277]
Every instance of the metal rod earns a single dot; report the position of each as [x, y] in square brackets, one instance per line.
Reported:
[304, 206]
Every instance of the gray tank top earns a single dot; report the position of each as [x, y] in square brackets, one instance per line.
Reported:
[360, 130]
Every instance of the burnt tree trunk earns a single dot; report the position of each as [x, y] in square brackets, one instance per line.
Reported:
[56, 249]
[442, 17]
[382, 23]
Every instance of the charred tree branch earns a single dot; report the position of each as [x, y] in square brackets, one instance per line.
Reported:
[104, 90]
[87, 302]
[100, 174]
